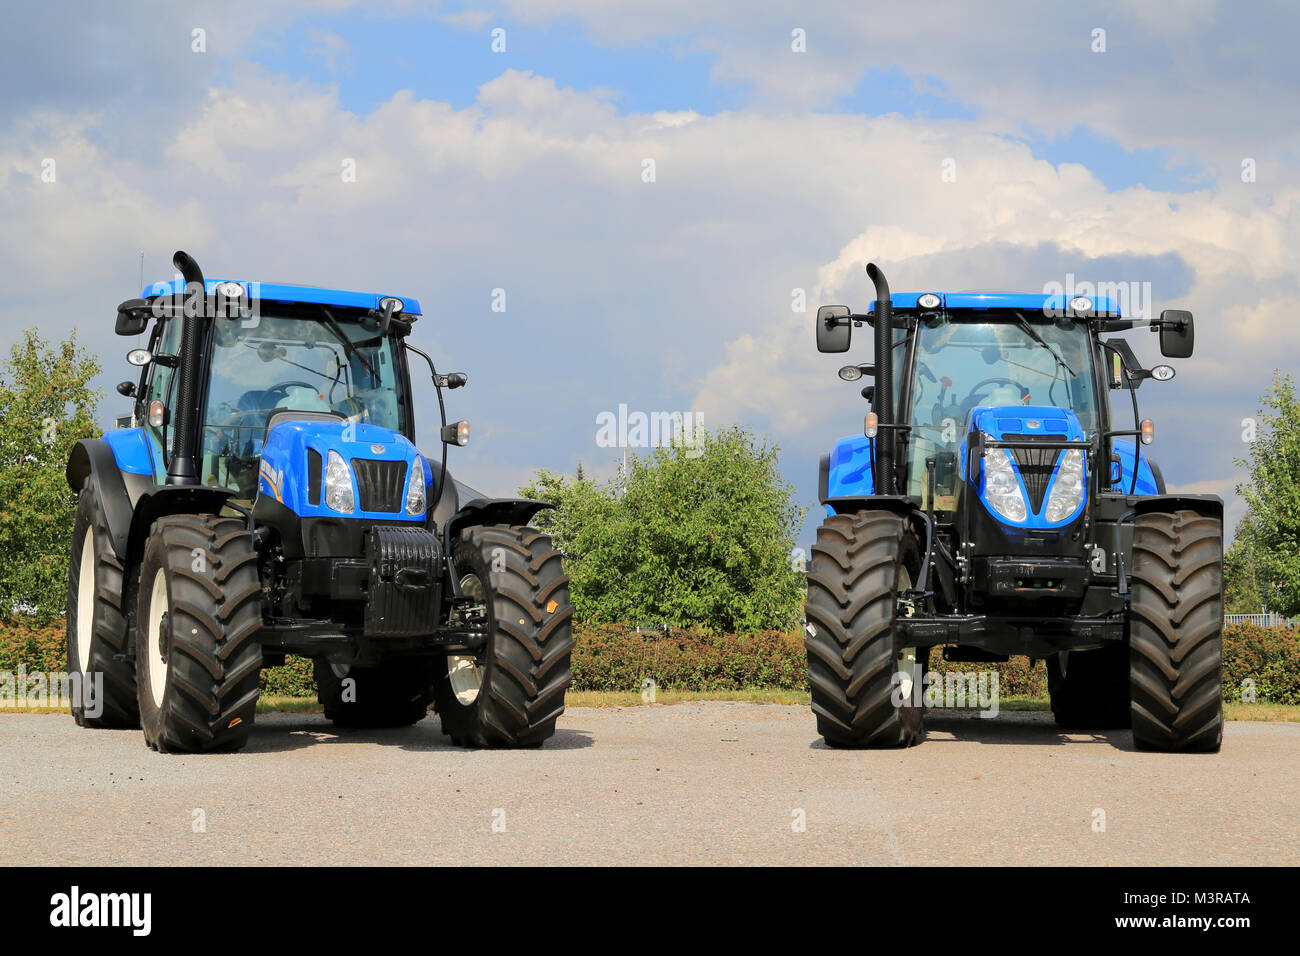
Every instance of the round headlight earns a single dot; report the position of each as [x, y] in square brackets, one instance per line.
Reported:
[392, 300]
[230, 290]
[929, 301]
[1081, 303]
[850, 373]
[139, 356]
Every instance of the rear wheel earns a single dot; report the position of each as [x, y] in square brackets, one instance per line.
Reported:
[198, 657]
[98, 627]
[864, 683]
[1176, 632]
[1089, 689]
[511, 692]
[396, 693]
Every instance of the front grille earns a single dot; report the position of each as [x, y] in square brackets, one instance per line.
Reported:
[380, 484]
[1036, 465]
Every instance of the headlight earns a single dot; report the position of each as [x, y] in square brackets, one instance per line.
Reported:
[338, 485]
[415, 493]
[1067, 490]
[1001, 488]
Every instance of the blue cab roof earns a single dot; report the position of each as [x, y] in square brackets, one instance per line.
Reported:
[275, 292]
[1024, 301]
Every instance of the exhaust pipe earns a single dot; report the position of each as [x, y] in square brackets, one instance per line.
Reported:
[183, 469]
[883, 405]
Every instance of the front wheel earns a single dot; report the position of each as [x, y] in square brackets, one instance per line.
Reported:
[511, 692]
[1176, 632]
[864, 682]
[197, 655]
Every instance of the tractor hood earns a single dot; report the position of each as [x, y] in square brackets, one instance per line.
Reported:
[1029, 487]
[379, 466]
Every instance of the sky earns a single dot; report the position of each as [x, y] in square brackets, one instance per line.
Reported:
[502, 153]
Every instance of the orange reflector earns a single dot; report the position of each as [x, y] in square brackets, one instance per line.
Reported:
[869, 425]
[235, 722]
[550, 607]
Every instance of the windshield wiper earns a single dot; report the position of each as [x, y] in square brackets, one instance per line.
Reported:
[1033, 334]
[352, 351]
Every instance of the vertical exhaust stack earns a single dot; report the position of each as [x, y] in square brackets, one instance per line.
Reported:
[183, 470]
[883, 405]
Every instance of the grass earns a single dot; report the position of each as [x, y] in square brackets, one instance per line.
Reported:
[1289, 713]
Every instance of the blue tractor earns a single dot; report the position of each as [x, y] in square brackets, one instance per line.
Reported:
[270, 500]
[992, 507]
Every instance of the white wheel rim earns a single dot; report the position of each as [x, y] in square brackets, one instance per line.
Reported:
[154, 646]
[86, 601]
[906, 656]
[463, 670]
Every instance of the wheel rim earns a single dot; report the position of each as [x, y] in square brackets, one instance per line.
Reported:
[156, 633]
[86, 601]
[906, 657]
[464, 671]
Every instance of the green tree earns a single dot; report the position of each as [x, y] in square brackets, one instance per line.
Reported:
[1269, 535]
[46, 405]
[698, 535]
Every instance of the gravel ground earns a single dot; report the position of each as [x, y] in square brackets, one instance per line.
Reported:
[682, 784]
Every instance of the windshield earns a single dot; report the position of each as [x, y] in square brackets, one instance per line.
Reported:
[990, 358]
[299, 363]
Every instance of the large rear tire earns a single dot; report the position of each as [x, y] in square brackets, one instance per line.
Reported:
[198, 657]
[859, 565]
[397, 693]
[1089, 689]
[511, 693]
[98, 628]
[1176, 632]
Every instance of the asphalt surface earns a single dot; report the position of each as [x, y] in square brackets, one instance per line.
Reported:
[689, 783]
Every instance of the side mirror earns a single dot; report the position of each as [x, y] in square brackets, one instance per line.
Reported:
[1177, 333]
[834, 328]
[126, 388]
[132, 317]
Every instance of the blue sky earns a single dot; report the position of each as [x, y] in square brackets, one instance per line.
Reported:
[777, 171]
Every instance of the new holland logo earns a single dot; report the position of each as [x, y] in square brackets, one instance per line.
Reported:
[377, 449]
[1033, 423]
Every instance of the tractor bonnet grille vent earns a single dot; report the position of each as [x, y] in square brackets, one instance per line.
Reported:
[1036, 465]
[380, 484]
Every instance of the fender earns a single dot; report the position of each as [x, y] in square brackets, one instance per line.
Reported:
[1210, 506]
[480, 511]
[92, 464]
[900, 505]
[162, 500]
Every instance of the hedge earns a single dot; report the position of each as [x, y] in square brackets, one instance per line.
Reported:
[610, 658]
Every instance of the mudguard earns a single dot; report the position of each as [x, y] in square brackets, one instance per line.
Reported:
[480, 511]
[92, 461]
[1211, 506]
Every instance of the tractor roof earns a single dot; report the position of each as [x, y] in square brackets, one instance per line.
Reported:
[1024, 301]
[274, 292]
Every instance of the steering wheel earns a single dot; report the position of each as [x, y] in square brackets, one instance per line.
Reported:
[283, 388]
[987, 383]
